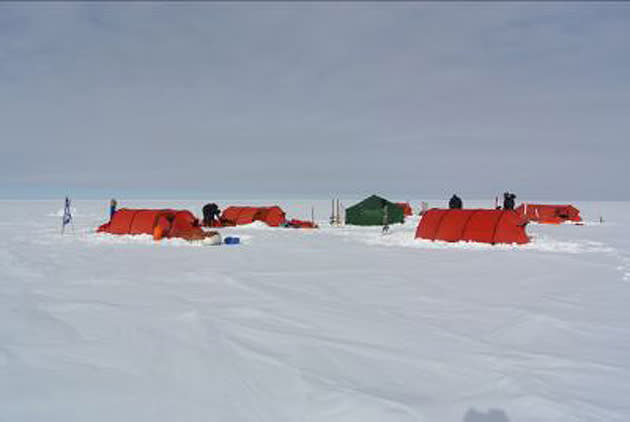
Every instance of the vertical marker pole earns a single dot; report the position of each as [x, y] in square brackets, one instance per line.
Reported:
[343, 215]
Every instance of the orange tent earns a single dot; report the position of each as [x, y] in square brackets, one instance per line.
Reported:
[549, 214]
[235, 216]
[172, 223]
[301, 224]
[273, 216]
[133, 221]
[407, 210]
[186, 226]
[472, 225]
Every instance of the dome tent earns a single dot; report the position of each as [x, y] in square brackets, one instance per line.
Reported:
[172, 223]
[406, 207]
[273, 216]
[370, 212]
[549, 214]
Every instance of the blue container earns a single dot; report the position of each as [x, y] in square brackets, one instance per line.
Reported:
[232, 240]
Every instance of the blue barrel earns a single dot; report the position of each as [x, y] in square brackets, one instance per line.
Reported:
[230, 240]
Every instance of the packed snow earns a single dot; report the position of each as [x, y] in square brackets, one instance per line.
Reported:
[333, 324]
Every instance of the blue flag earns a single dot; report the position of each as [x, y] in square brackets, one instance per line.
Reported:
[67, 215]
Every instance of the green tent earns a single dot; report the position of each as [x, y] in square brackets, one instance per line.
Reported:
[370, 212]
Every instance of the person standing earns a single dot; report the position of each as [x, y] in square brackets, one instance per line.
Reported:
[455, 202]
[112, 208]
[509, 201]
[67, 215]
[385, 220]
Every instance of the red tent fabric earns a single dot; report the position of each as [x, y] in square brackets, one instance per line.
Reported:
[407, 210]
[246, 215]
[133, 221]
[472, 225]
[144, 221]
[235, 216]
[121, 224]
[301, 224]
[173, 223]
[273, 216]
[549, 214]
[229, 216]
[186, 226]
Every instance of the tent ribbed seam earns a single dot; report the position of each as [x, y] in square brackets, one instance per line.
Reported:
[133, 217]
[437, 229]
[496, 226]
[461, 235]
[156, 218]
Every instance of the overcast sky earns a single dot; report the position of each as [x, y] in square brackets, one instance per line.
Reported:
[296, 100]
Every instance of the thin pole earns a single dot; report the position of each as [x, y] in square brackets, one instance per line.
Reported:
[343, 214]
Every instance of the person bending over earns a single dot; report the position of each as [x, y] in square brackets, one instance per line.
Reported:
[211, 213]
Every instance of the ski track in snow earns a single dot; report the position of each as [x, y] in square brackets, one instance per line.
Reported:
[324, 325]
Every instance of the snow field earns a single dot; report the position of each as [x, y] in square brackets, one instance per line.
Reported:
[311, 325]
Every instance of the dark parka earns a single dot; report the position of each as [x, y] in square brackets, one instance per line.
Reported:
[455, 202]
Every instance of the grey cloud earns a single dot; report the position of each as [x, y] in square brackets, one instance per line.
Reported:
[412, 98]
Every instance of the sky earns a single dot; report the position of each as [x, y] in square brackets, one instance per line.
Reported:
[409, 99]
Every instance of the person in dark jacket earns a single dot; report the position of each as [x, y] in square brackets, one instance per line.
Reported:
[112, 208]
[455, 202]
[509, 201]
[210, 212]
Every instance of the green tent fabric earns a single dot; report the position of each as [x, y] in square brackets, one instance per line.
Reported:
[370, 212]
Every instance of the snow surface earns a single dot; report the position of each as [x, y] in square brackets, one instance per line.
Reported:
[336, 324]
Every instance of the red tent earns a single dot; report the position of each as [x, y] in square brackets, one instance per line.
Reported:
[472, 225]
[273, 216]
[186, 226]
[549, 214]
[173, 223]
[235, 216]
[407, 210]
[133, 221]
[301, 224]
